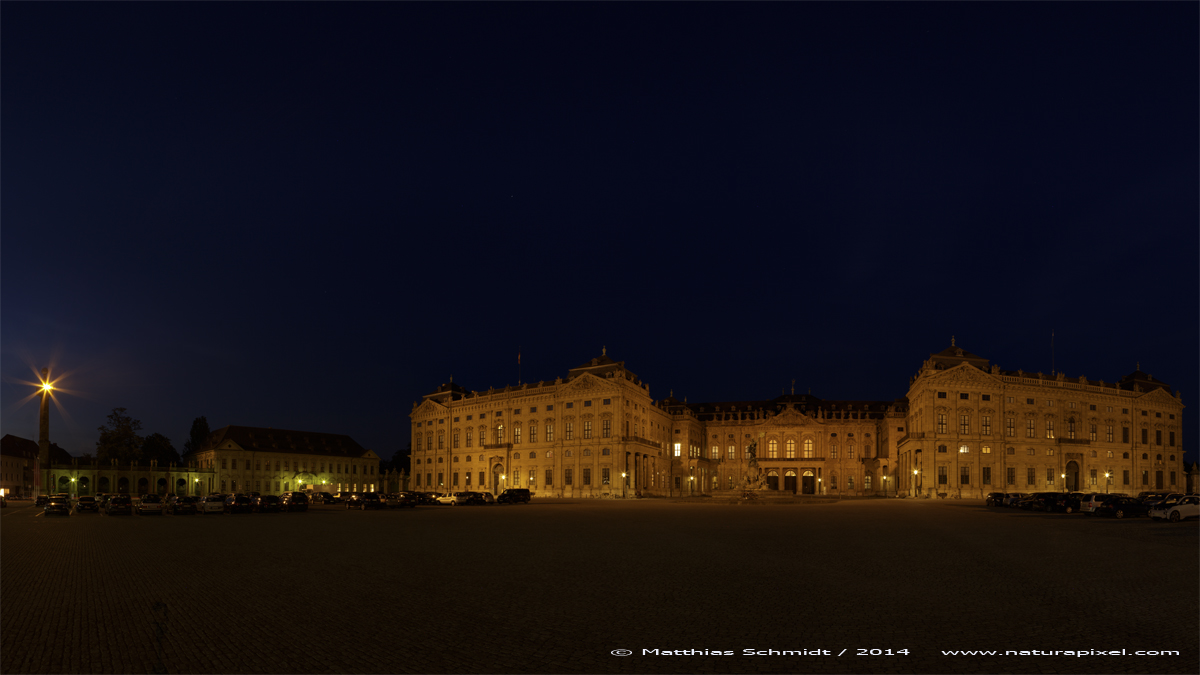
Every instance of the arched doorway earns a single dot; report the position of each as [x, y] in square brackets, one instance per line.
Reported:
[143, 486]
[85, 486]
[1072, 476]
[789, 482]
[123, 485]
[162, 486]
[772, 480]
[497, 471]
[64, 484]
[181, 487]
[808, 483]
[104, 484]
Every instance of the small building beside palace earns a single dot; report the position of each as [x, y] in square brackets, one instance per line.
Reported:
[271, 461]
[964, 428]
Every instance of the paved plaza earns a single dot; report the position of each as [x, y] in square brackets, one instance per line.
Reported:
[557, 586]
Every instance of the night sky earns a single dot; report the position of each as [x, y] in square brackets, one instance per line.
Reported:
[307, 216]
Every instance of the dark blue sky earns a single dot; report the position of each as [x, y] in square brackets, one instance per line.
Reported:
[308, 215]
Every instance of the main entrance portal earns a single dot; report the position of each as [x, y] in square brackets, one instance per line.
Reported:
[1072, 476]
[789, 482]
[808, 485]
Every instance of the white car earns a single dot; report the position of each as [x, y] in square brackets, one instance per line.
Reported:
[150, 504]
[211, 504]
[1186, 507]
[453, 498]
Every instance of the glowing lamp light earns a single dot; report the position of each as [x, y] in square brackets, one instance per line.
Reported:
[46, 386]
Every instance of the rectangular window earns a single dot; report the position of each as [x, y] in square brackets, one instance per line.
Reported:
[986, 397]
[605, 476]
[1172, 478]
[1070, 429]
[1158, 437]
[1171, 438]
[716, 452]
[587, 404]
[1010, 427]
[550, 408]
[587, 429]
[1092, 477]
[533, 433]
[587, 476]
[467, 477]
[224, 464]
[964, 424]
[1145, 437]
[964, 397]
[441, 479]
[549, 477]
[1092, 432]
[1049, 428]
[568, 477]
[986, 425]
[468, 439]
[549, 433]
[941, 394]
[482, 482]
[732, 452]
[942, 478]
[570, 404]
[1124, 434]
[606, 428]
[1028, 401]
[941, 423]
[607, 401]
[1108, 433]
[1030, 479]
[1145, 478]
[987, 450]
[1049, 477]
[455, 441]
[1030, 429]
[964, 475]
[1011, 475]
[532, 477]
[987, 475]
[570, 431]
[1125, 477]
[516, 435]
[678, 449]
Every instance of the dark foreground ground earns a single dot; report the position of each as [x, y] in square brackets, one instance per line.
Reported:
[556, 587]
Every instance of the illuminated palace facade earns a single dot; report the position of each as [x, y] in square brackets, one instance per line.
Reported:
[965, 428]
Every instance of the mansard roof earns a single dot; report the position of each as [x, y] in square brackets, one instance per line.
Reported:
[954, 355]
[15, 446]
[266, 439]
[600, 366]
[1144, 380]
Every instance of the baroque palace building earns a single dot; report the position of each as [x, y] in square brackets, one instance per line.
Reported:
[964, 429]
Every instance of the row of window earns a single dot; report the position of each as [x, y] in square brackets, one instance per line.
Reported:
[587, 452]
[232, 464]
[964, 427]
[1050, 404]
[498, 434]
[514, 480]
[1093, 476]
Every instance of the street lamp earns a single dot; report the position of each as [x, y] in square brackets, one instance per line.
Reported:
[623, 484]
[1064, 478]
[1107, 475]
[885, 486]
[691, 484]
[916, 490]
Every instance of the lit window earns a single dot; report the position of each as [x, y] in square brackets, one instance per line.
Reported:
[678, 449]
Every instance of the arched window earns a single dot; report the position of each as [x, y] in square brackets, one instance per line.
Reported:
[1145, 456]
[533, 455]
[604, 452]
[587, 452]
[1124, 455]
[570, 454]
[549, 453]
[516, 455]
[773, 448]
[440, 460]
[808, 448]
[456, 458]
[790, 449]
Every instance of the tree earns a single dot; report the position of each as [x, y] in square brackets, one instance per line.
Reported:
[119, 439]
[158, 448]
[198, 435]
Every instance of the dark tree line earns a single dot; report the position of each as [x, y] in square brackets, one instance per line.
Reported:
[121, 439]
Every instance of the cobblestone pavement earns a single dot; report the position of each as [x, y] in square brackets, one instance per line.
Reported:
[556, 586]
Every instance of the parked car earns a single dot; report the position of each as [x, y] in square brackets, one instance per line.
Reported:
[1188, 506]
[41, 500]
[366, 500]
[1012, 498]
[1156, 500]
[514, 496]
[150, 504]
[994, 499]
[326, 498]
[267, 504]
[446, 498]
[87, 503]
[1121, 507]
[182, 506]
[342, 497]
[396, 500]
[56, 505]
[486, 498]
[293, 501]
[427, 497]
[212, 504]
[237, 504]
[119, 504]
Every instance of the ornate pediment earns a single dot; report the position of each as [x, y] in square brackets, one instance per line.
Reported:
[963, 374]
[964, 410]
[1158, 396]
[942, 409]
[790, 417]
[585, 384]
[429, 407]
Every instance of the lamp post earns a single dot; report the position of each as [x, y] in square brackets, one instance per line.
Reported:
[916, 488]
[885, 486]
[1107, 476]
[623, 484]
[1064, 479]
[691, 484]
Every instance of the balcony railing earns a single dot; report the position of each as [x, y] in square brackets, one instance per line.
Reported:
[639, 439]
